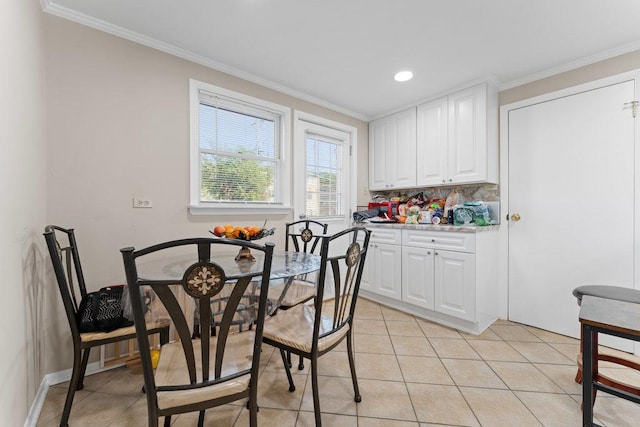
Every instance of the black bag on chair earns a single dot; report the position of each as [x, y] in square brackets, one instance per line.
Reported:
[101, 311]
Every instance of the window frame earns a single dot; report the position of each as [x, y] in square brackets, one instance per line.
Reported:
[196, 207]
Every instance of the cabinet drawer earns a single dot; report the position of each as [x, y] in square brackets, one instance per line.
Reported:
[386, 235]
[461, 242]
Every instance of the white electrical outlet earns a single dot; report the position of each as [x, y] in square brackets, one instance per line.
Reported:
[141, 202]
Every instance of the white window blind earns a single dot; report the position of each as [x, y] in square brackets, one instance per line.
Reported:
[324, 176]
[239, 151]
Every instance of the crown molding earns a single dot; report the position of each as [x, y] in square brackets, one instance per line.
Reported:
[63, 12]
[592, 59]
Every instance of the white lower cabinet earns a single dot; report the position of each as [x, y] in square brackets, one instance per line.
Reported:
[383, 265]
[418, 276]
[447, 277]
[455, 284]
[387, 268]
[439, 280]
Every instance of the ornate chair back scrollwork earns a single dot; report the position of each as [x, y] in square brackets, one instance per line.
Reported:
[197, 374]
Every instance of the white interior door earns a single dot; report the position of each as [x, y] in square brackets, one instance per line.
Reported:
[322, 174]
[324, 181]
[571, 180]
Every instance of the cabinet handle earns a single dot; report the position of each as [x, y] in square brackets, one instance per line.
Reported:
[428, 252]
[450, 179]
[436, 253]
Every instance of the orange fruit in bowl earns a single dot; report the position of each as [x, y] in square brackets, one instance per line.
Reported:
[218, 230]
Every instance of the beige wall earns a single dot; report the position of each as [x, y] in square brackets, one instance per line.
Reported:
[609, 67]
[22, 166]
[118, 127]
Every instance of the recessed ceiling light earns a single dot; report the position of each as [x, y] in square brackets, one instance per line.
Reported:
[403, 76]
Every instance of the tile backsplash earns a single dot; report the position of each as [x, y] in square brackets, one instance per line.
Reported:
[485, 192]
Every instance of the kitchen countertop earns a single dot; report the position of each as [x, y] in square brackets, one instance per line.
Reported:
[433, 227]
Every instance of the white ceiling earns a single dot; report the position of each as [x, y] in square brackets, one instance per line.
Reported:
[344, 53]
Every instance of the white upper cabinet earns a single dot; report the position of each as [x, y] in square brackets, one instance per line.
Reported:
[457, 139]
[432, 153]
[392, 147]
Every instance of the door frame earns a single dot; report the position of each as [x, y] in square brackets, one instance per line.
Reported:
[503, 246]
[298, 156]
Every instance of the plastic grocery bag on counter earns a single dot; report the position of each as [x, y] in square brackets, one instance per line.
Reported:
[480, 212]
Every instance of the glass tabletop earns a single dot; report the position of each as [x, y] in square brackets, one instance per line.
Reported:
[283, 265]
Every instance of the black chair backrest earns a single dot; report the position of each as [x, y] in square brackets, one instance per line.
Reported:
[346, 272]
[203, 280]
[304, 235]
[63, 249]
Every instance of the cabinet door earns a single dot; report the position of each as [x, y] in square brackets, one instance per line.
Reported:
[366, 281]
[418, 276]
[468, 135]
[401, 149]
[377, 155]
[388, 271]
[432, 137]
[455, 288]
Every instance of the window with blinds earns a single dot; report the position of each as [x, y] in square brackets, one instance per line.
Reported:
[239, 151]
[324, 176]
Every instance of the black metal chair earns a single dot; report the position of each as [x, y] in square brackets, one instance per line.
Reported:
[305, 330]
[197, 374]
[301, 236]
[63, 249]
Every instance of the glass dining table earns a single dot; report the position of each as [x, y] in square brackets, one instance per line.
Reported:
[285, 266]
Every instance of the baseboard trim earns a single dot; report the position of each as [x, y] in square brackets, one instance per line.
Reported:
[52, 379]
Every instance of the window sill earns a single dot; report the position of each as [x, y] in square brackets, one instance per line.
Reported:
[239, 209]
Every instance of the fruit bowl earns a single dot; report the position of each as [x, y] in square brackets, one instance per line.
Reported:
[246, 233]
[241, 233]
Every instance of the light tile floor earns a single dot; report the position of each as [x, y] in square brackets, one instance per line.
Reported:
[411, 373]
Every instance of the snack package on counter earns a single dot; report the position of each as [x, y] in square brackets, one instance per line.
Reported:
[413, 213]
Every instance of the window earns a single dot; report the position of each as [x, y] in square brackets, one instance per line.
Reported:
[324, 176]
[239, 148]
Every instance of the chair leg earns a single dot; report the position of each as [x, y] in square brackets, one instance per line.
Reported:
[352, 365]
[301, 364]
[314, 387]
[76, 378]
[252, 405]
[83, 368]
[167, 421]
[289, 359]
[283, 354]
[201, 419]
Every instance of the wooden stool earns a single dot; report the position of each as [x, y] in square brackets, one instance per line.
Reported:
[615, 293]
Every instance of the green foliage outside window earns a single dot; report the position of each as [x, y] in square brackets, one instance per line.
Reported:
[236, 179]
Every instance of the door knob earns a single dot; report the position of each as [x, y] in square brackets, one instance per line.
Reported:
[515, 217]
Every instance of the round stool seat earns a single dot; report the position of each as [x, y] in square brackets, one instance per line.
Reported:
[617, 293]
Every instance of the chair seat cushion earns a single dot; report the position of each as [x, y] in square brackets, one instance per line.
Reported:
[172, 370]
[120, 332]
[299, 291]
[294, 328]
[617, 293]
